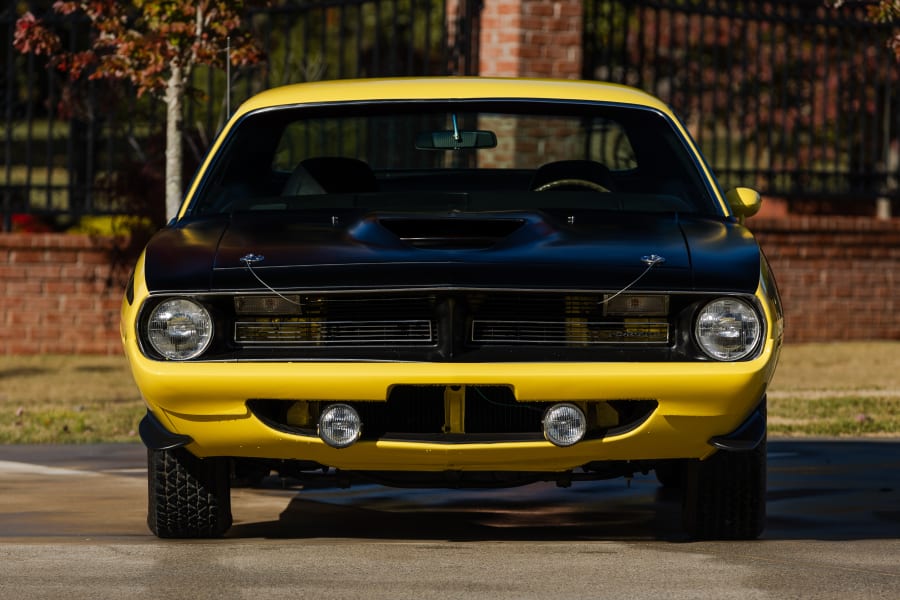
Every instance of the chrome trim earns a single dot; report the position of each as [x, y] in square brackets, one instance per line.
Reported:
[561, 332]
[442, 288]
[334, 333]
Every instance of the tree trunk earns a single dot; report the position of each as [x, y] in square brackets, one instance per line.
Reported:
[174, 99]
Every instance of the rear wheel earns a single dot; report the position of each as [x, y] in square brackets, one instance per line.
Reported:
[725, 495]
[189, 497]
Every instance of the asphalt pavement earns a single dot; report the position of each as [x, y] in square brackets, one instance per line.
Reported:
[72, 525]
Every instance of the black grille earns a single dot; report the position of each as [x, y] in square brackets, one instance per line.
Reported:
[493, 409]
[335, 321]
[409, 409]
[572, 332]
[419, 410]
[419, 413]
[442, 326]
[557, 319]
[299, 331]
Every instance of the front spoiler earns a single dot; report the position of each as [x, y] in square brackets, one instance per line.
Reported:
[748, 436]
[156, 437]
[659, 438]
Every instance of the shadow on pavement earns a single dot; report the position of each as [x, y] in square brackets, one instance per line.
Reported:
[824, 490]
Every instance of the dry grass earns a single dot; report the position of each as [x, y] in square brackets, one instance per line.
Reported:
[839, 389]
[65, 399]
[839, 366]
[819, 389]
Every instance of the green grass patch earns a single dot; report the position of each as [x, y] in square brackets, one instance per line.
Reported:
[100, 422]
[841, 415]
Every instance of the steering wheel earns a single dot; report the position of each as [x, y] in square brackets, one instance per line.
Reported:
[582, 183]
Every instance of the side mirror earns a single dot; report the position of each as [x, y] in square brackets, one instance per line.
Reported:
[744, 202]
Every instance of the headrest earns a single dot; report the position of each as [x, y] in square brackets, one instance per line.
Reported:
[330, 175]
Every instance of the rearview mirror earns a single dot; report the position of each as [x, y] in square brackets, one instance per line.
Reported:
[455, 140]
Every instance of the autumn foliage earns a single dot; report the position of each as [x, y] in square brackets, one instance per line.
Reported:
[142, 41]
[154, 44]
[883, 11]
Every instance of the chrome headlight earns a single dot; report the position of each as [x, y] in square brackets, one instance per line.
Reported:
[179, 329]
[728, 329]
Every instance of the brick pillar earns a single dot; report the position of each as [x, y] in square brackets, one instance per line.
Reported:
[531, 38]
[523, 38]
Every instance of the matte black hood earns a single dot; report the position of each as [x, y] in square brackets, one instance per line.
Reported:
[500, 250]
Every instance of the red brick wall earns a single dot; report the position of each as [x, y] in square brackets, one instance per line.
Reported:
[60, 294]
[531, 38]
[839, 279]
[839, 276]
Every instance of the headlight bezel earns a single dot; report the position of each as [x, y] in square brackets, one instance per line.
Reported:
[199, 308]
[750, 350]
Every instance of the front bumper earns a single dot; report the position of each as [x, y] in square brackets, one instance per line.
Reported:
[697, 401]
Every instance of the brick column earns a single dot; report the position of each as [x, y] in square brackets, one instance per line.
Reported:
[531, 38]
[523, 38]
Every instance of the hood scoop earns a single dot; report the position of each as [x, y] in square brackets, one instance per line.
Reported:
[451, 233]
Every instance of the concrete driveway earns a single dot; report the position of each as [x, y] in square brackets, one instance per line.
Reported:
[72, 526]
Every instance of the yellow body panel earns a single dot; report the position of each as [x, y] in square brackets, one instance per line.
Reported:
[696, 401]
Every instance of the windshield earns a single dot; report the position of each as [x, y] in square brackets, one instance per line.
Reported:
[461, 155]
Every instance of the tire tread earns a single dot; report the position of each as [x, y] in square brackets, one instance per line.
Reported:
[725, 496]
[188, 497]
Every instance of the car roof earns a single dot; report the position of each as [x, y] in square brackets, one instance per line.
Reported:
[444, 88]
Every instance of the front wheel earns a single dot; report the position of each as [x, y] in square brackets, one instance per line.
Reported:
[725, 495]
[188, 497]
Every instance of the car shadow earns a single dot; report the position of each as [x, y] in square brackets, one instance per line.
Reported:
[533, 512]
[824, 490]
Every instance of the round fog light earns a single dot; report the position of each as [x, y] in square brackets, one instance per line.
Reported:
[564, 424]
[339, 425]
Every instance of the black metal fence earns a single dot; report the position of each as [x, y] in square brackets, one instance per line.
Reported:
[93, 148]
[794, 98]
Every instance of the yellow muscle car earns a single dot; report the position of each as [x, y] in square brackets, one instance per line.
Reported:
[455, 282]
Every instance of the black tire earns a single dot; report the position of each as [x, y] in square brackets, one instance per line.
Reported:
[188, 497]
[725, 496]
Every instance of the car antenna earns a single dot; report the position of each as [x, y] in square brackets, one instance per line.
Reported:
[227, 77]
